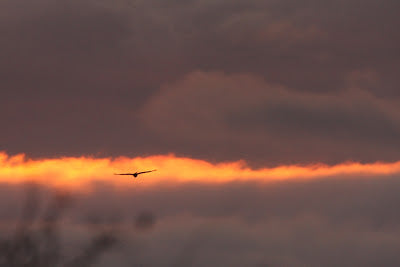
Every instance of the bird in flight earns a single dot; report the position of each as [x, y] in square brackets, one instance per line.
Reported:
[134, 174]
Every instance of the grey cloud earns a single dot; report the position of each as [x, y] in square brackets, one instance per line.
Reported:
[76, 74]
[333, 221]
[308, 46]
[268, 121]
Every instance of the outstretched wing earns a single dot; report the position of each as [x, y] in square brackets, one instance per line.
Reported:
[146, 171]
[123, 173]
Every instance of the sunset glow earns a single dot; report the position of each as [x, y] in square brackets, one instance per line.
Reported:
[80, 171]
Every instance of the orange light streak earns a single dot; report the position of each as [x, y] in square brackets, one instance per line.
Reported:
[80, 171]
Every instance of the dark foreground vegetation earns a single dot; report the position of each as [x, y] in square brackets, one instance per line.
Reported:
[36, 240]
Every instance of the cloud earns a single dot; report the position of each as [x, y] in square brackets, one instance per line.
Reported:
[79, 173]
[268, 121]
[76, 74]
[271, 82]
[343, 220]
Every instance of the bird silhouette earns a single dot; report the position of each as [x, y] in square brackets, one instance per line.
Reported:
[134, 174]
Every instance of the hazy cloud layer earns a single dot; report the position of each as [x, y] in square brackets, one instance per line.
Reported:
[77, 76]
[346, 221]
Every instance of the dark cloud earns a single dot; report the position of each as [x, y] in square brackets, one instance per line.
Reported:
[76, 76]
[347, 221]
[270, 122]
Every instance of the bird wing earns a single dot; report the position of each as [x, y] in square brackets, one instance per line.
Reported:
[146, 171]
[123, 173]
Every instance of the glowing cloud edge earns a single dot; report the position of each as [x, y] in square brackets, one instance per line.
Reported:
[80, 171]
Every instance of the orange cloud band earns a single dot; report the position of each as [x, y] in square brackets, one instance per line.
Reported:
[80, 171]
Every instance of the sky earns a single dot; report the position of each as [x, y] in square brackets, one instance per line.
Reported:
[274, 125]
[271, 82]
